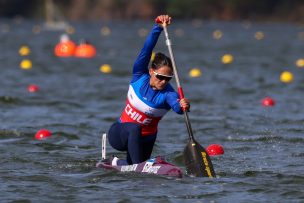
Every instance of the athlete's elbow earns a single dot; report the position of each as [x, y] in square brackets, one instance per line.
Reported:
[181, 110]
[178, 110]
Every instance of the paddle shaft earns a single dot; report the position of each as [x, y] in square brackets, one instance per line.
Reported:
[197, 160]
[179, 87]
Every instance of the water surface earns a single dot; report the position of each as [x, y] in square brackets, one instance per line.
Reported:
[263, 160]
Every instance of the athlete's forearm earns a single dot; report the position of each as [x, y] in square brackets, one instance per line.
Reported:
[172, 100]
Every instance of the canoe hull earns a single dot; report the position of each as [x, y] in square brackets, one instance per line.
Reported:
[157, 166]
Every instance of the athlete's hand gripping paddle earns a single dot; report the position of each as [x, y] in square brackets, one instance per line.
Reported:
[197, 160]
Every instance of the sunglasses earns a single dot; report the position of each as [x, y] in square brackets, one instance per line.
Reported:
[163, 77]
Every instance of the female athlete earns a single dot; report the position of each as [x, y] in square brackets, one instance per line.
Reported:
[150, 97]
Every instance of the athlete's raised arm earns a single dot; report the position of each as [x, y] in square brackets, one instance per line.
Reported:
[142, 62]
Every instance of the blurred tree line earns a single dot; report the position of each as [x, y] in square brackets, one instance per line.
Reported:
[286, 10]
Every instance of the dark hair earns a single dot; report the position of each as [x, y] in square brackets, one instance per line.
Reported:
[160, 60]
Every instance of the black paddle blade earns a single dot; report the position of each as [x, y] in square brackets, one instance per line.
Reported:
[197, 160]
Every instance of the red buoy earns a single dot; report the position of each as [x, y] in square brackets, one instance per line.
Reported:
[215, 149]
[268, 102]
[33, 88]
[65, 48]
[42, 134]
[85, 50]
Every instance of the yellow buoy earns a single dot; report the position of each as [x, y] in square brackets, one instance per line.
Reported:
[246, 24]
[36, 29]
[70, 30]
[179, 32]
[106, 68]
[217, 34]
[195, 72]
[5, 28]
[259, 35]
[301, 35]
[152, 56]
[227, 59]
[24, 51]
[105, 31]
[197, 23]
[300, 63]
[26, 64]
[286, 77]
[143, 32]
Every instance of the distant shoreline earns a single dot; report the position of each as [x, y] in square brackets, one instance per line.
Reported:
[228, 10]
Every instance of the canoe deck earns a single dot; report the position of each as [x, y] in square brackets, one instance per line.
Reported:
[156, 166]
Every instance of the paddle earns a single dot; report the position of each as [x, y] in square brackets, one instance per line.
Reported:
[197, 160]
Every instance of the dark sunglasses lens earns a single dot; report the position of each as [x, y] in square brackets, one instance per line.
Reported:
[160, 77]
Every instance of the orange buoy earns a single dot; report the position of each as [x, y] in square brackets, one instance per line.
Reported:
[65, 48]
[85, 50]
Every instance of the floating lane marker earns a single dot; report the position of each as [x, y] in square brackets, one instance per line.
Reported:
[195, 72]
[300, 63]
[152, 56]
[142, 32]
[217, 34]
[105, 68]
[268, 102]
[33, 88]
[24, 51]
[65, 47]
[286, 77]
[26, 64]
[70, 29]
[42, 134]
[227, 59]
[105, 31]
[36, 29]
[85, 50]
[215, 149]
[259, 35]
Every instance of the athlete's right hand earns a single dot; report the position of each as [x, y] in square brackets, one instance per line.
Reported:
[185, 104]
[163, 20]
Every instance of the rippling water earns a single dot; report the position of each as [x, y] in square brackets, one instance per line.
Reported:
[263, 160]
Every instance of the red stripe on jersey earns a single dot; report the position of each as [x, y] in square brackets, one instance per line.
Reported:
[133, 115]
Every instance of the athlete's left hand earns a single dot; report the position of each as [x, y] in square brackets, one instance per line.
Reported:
[163, 20]
[184, 103]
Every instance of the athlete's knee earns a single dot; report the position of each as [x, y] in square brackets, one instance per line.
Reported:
[113, 132]
[114, 137]
[114, 129]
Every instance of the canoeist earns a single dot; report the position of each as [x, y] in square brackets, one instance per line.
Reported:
[149, 98]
